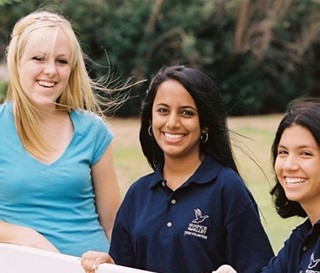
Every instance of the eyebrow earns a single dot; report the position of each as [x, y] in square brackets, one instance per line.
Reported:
[183, 106]
[300, 147]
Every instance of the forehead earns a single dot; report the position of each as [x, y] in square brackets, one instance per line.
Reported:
[47, 41]
[173, 92]
[298, 136]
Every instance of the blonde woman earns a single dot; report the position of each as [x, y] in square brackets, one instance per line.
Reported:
[58, 185]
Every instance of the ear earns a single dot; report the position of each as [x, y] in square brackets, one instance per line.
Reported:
[204, 130]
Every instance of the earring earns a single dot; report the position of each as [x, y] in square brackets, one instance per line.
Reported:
[204, 137]
[150, 130]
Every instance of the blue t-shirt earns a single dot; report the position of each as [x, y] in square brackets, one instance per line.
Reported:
[212, 219]
[301, 252]
[55, 199]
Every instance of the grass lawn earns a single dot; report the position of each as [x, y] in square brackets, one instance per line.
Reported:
[251, 138]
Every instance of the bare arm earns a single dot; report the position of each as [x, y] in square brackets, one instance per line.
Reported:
[107, 190]
[20, 235]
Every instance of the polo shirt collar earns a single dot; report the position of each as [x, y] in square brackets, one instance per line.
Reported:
[205, 173]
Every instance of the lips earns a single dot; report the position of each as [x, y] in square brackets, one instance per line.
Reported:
[173, 136]
[46, 84]
[294, 180]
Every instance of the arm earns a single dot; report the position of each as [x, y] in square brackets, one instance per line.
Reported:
[248, 246]
[21, 235]
[106, 190]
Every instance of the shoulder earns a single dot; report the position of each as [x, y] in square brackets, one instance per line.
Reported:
[223, 176]
[229, 185]
[6, 106]
[86, 120]
[143, 183]
[6, 112]
[139, 189]
[86, 116]
[136, 196]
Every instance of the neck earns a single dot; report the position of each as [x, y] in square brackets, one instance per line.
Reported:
[177, 171]
[312, 212]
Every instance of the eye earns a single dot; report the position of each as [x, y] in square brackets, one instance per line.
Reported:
[162, 110]
[62, 61]
[282, 152]
[38, 58]
[187, 113]
[306, 154]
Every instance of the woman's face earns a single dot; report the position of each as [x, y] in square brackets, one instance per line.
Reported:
[45, 70]
[175, 121]
[297, 166]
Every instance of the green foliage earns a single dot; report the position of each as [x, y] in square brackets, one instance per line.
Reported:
[3, 90]
[7, 2]
[261, 60]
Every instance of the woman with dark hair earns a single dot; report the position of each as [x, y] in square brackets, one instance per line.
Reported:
[194, 213]
[296, 158]
[211, 115]
[296, 161]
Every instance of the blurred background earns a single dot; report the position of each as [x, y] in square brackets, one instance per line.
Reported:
[262, 53]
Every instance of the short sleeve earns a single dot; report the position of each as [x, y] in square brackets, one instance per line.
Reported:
[103, 138]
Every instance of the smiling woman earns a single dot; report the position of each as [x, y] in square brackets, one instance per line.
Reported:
[58, 186]
[45, 70]
[296, 159]
[193, 213]
[176, 129]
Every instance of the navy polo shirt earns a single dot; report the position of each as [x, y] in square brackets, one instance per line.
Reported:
[212, 219]
[301, 252]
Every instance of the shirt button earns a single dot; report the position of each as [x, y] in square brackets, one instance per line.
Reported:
[304, 248]
[173, 201]
[169, 224]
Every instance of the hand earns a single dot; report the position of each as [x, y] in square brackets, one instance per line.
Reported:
[92, 259]
[225, 269]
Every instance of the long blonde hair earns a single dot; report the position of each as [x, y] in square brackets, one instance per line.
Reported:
[42, 26]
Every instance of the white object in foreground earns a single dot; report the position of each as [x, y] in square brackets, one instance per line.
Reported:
[22, 259]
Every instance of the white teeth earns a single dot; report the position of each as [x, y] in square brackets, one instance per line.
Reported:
[173, 136]
[293, 180]
[46, 84]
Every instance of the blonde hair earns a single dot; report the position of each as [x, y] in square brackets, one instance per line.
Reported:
[43, 26]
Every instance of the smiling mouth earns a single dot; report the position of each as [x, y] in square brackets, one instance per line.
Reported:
[46, 84]
[294, 181]
[173, 136]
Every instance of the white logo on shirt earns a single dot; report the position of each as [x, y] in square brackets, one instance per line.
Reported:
[313, 263]
[194, 228]
[199, 218]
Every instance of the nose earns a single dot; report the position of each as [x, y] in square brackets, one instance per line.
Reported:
[50, 68]
[290, 163]
[173, 120]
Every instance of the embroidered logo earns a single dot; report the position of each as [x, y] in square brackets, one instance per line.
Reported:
[313, 263]
[199, 218]
[194, 228]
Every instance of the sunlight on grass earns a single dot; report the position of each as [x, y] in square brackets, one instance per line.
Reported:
[252, 142]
